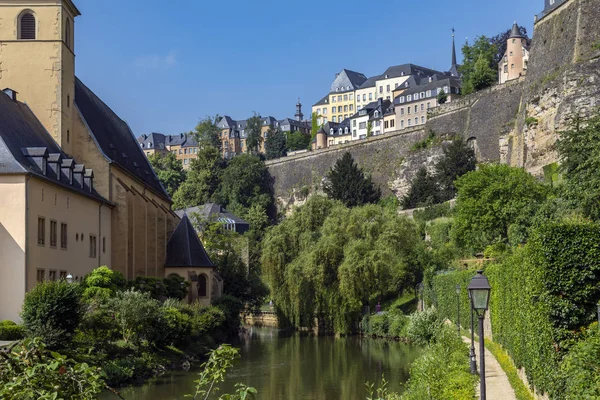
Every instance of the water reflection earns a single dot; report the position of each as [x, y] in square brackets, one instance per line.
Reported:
[294, 366]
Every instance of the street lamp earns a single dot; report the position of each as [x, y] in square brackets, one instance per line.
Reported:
[458, 309]
[479, 290]
[472, 356]
[69, 278]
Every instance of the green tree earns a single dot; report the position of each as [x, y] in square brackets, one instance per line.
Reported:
[442, 97]
[314, 125]
[458, 159]
[483, 75]
[369, 129]
[254, 137]
[276, 144]
[347, 183]
[297, 141]
[207, 133]
[423, 191]
[202, 181]
[489, 201]
[169, 171]
[482, 49]
[579, 149]
[245, 182]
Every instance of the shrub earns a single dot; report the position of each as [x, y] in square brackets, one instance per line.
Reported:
[397, 326]
[423, 326]
[581, 367]
[11, 331]
[30, 372]
[98, 326]
[52, 311]
[231, 307]
[379, 325]
[103, 281]
[137, 315]
[176, 327]
[452, 382]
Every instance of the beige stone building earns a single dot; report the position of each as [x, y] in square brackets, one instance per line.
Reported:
[53, 221]
[184, 146]
[516, 59]
[37, 60]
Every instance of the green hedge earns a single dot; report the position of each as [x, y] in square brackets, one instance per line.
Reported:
[11, 331]
[543, 296]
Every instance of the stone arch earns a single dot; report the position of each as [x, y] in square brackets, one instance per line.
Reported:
[472, 143]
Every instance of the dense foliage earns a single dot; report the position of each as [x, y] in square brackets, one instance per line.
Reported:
[207, 133]
[492, 199]
[11, 331]
[30, 372]
[328, 261]
[579, 148]
[169, 171]
[427, 189]
[347, 183]
[254, 138]
[52, 311]
[297, 141]
[275, 144]
[479, 69]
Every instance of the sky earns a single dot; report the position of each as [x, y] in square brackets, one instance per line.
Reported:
[164, 65]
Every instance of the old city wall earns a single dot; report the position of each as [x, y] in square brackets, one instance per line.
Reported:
[516, 123]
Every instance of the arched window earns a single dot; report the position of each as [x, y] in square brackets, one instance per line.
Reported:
[202, 285]
[27, 26]
[68, 33]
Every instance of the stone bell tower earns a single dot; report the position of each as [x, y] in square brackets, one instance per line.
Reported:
[37, 60]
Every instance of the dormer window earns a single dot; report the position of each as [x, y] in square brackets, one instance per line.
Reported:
[340, 131]
[346, 130]
[27, 28]
[376, 114]
[331, 131]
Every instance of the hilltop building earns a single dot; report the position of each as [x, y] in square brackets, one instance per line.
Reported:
[76, 189]
[184, 146]
[340, 103]
[212, 212]
[369, 120]
[514, 63]
[234, 133]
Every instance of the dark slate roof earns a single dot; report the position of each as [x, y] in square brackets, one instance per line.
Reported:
[515, 32]
[406, 70]
[347, 81]
[190, 141]
[226, 122]
[114, 137]
[336, 126]
[370, 82]
[175, 140]
[22, 134]
[452, 82]
[323, 101]
[214, 212]
[184, 248]
[152, 141]
[293, 122]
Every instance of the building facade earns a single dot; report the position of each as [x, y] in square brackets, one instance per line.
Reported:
[38, 61]
[516, 59]
[340, 103]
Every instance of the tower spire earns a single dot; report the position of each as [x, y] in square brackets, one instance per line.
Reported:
[453, 49]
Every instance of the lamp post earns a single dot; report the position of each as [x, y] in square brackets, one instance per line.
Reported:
[458, 309]
[472, 357]
[69, 278]
[479, 290]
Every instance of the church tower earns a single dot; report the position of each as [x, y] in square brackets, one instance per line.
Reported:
[299, 116]
[37, 60]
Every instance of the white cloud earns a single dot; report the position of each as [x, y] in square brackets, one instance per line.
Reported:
[156, 61]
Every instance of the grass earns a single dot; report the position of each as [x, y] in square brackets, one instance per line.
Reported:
[522, 392]
[407, 303]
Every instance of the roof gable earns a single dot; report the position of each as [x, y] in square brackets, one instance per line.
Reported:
[184, 248]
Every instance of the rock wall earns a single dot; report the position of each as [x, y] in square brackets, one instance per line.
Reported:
[515, 123]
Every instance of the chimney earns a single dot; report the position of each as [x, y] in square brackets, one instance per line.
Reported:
[78, 173]
[88, 180]
[66, 167]
[37, 156]
[54, 161]
[379, 101]
[11, 93]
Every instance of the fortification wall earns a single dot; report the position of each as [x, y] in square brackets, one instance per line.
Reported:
[516, 123]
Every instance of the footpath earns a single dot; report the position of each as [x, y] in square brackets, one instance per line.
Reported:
[497, 385]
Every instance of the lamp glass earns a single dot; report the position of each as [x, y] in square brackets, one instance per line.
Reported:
[479, 298]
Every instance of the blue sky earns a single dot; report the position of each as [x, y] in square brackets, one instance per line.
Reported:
[163, 65]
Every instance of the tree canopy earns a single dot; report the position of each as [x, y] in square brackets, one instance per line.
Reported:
[347, 183]
[207, 133]
[423, 191]
[458, 159]
[202, 181]
[254, 137]
[169, 171]
[297, 141]
[328, 261]
[244, 183]
[579, 149]
[490, 200]
[275, 144]
[478, 69]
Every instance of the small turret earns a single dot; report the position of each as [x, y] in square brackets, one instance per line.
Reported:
[299, 116]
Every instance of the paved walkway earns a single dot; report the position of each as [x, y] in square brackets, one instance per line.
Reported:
[497, 385]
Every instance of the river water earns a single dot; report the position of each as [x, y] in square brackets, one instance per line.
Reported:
[298, 367]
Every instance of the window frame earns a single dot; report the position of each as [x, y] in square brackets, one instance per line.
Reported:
[20, 25]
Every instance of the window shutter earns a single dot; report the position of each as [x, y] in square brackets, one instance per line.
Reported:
[28, 27]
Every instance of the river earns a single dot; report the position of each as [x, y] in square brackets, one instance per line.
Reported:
[297, 367]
